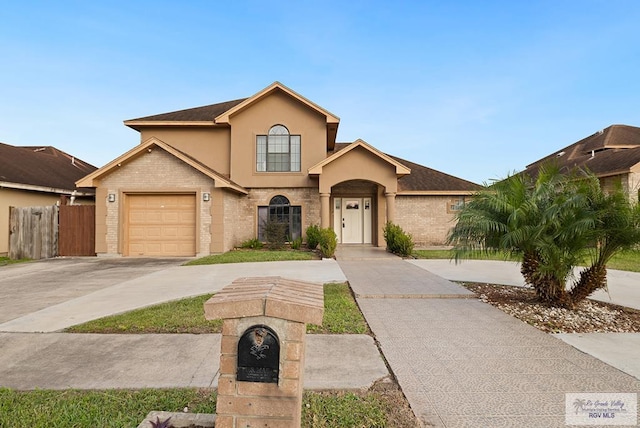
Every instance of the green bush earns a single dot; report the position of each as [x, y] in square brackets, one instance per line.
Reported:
[253, 244]
[313, 236]
[398, 241]
[275, 233]
[328, 242]
[296, 243]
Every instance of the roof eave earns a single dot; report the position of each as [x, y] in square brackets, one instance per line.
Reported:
[44, 189]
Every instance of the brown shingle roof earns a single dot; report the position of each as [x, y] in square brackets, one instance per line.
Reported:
[423, 178]
[613, 150]
[196, 114]
[43, 166]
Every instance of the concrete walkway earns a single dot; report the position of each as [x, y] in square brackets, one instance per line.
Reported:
[621, 350]
[461, 362]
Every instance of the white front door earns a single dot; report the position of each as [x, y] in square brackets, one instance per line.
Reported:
[352, 220]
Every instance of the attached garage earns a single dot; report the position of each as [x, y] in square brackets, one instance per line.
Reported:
[160, 225]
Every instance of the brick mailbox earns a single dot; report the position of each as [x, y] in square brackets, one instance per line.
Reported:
[262, 349]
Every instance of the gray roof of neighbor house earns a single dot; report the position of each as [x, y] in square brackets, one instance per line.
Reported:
[196, 114]
[613, 150]
[41, 167]
[425, 179]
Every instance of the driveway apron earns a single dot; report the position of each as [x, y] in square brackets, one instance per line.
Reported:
[464, 363]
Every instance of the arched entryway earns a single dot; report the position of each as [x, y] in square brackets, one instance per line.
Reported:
[354, 214]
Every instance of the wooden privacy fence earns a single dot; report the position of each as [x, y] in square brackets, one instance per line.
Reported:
[50, 231]
[77, 226]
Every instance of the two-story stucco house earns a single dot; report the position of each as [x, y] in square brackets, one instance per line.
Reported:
[205, 179]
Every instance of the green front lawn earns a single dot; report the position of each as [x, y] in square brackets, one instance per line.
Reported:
[244, 256]
[127, 408]
[105, 409]
[628, 260]
[341, 316]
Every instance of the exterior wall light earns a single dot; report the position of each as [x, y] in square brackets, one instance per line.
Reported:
[111, 197]
[206, 197]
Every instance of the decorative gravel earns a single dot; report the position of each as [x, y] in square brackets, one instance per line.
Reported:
[590, 316]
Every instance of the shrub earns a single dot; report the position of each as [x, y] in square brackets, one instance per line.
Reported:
[313, 236]
[254, 244]
[398, 241]
[328, 242]
[296, 243]
[275, 233]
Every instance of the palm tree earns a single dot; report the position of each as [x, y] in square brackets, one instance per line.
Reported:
[616, 228]
[550, 223]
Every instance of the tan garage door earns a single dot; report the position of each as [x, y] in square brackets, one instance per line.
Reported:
[161, 225]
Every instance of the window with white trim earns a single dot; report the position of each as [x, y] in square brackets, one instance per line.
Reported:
[279, 151]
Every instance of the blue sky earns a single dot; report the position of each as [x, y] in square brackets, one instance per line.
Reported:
[476, 89]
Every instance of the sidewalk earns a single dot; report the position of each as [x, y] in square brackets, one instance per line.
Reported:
[461, 362]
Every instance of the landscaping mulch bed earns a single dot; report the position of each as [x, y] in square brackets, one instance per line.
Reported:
[590, 316]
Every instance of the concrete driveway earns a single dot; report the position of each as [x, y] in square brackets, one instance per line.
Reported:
[51, 295]
[29, 287]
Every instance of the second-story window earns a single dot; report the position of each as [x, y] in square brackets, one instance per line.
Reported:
[278, 151]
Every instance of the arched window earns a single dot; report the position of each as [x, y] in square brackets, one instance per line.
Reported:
[280, 210]
[278, 150]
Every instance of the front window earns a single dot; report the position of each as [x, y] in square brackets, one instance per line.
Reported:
[281, 211]
[278, 151]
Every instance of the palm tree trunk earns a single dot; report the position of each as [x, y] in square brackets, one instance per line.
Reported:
[547, 288]
[591, 279]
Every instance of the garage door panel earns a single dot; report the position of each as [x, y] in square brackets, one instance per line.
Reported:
[161, 225]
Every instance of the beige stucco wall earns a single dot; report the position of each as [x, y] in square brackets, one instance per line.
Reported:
[159, 172]
[19, 198]
[426, 218]
[276, 109]
[211, 146]
[358, 164]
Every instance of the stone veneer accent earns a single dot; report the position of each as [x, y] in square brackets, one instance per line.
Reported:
[148, 173]
[284, 306]
[241, 212]
[427, 218]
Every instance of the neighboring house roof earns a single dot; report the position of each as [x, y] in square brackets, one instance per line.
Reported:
[147, 146]
[220, 113]
[611, 151]
[41, 168]
[423, 180]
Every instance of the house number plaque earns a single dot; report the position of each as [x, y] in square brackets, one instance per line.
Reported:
[258, 355]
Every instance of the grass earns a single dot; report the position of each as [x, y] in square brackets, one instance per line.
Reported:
[7, 261]
[127, 408]
[244, 256]
[341, 316]
[180, 316]
[110, 408]
[627, 260]
[448, 254]
[345, 409]
[341, 313]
